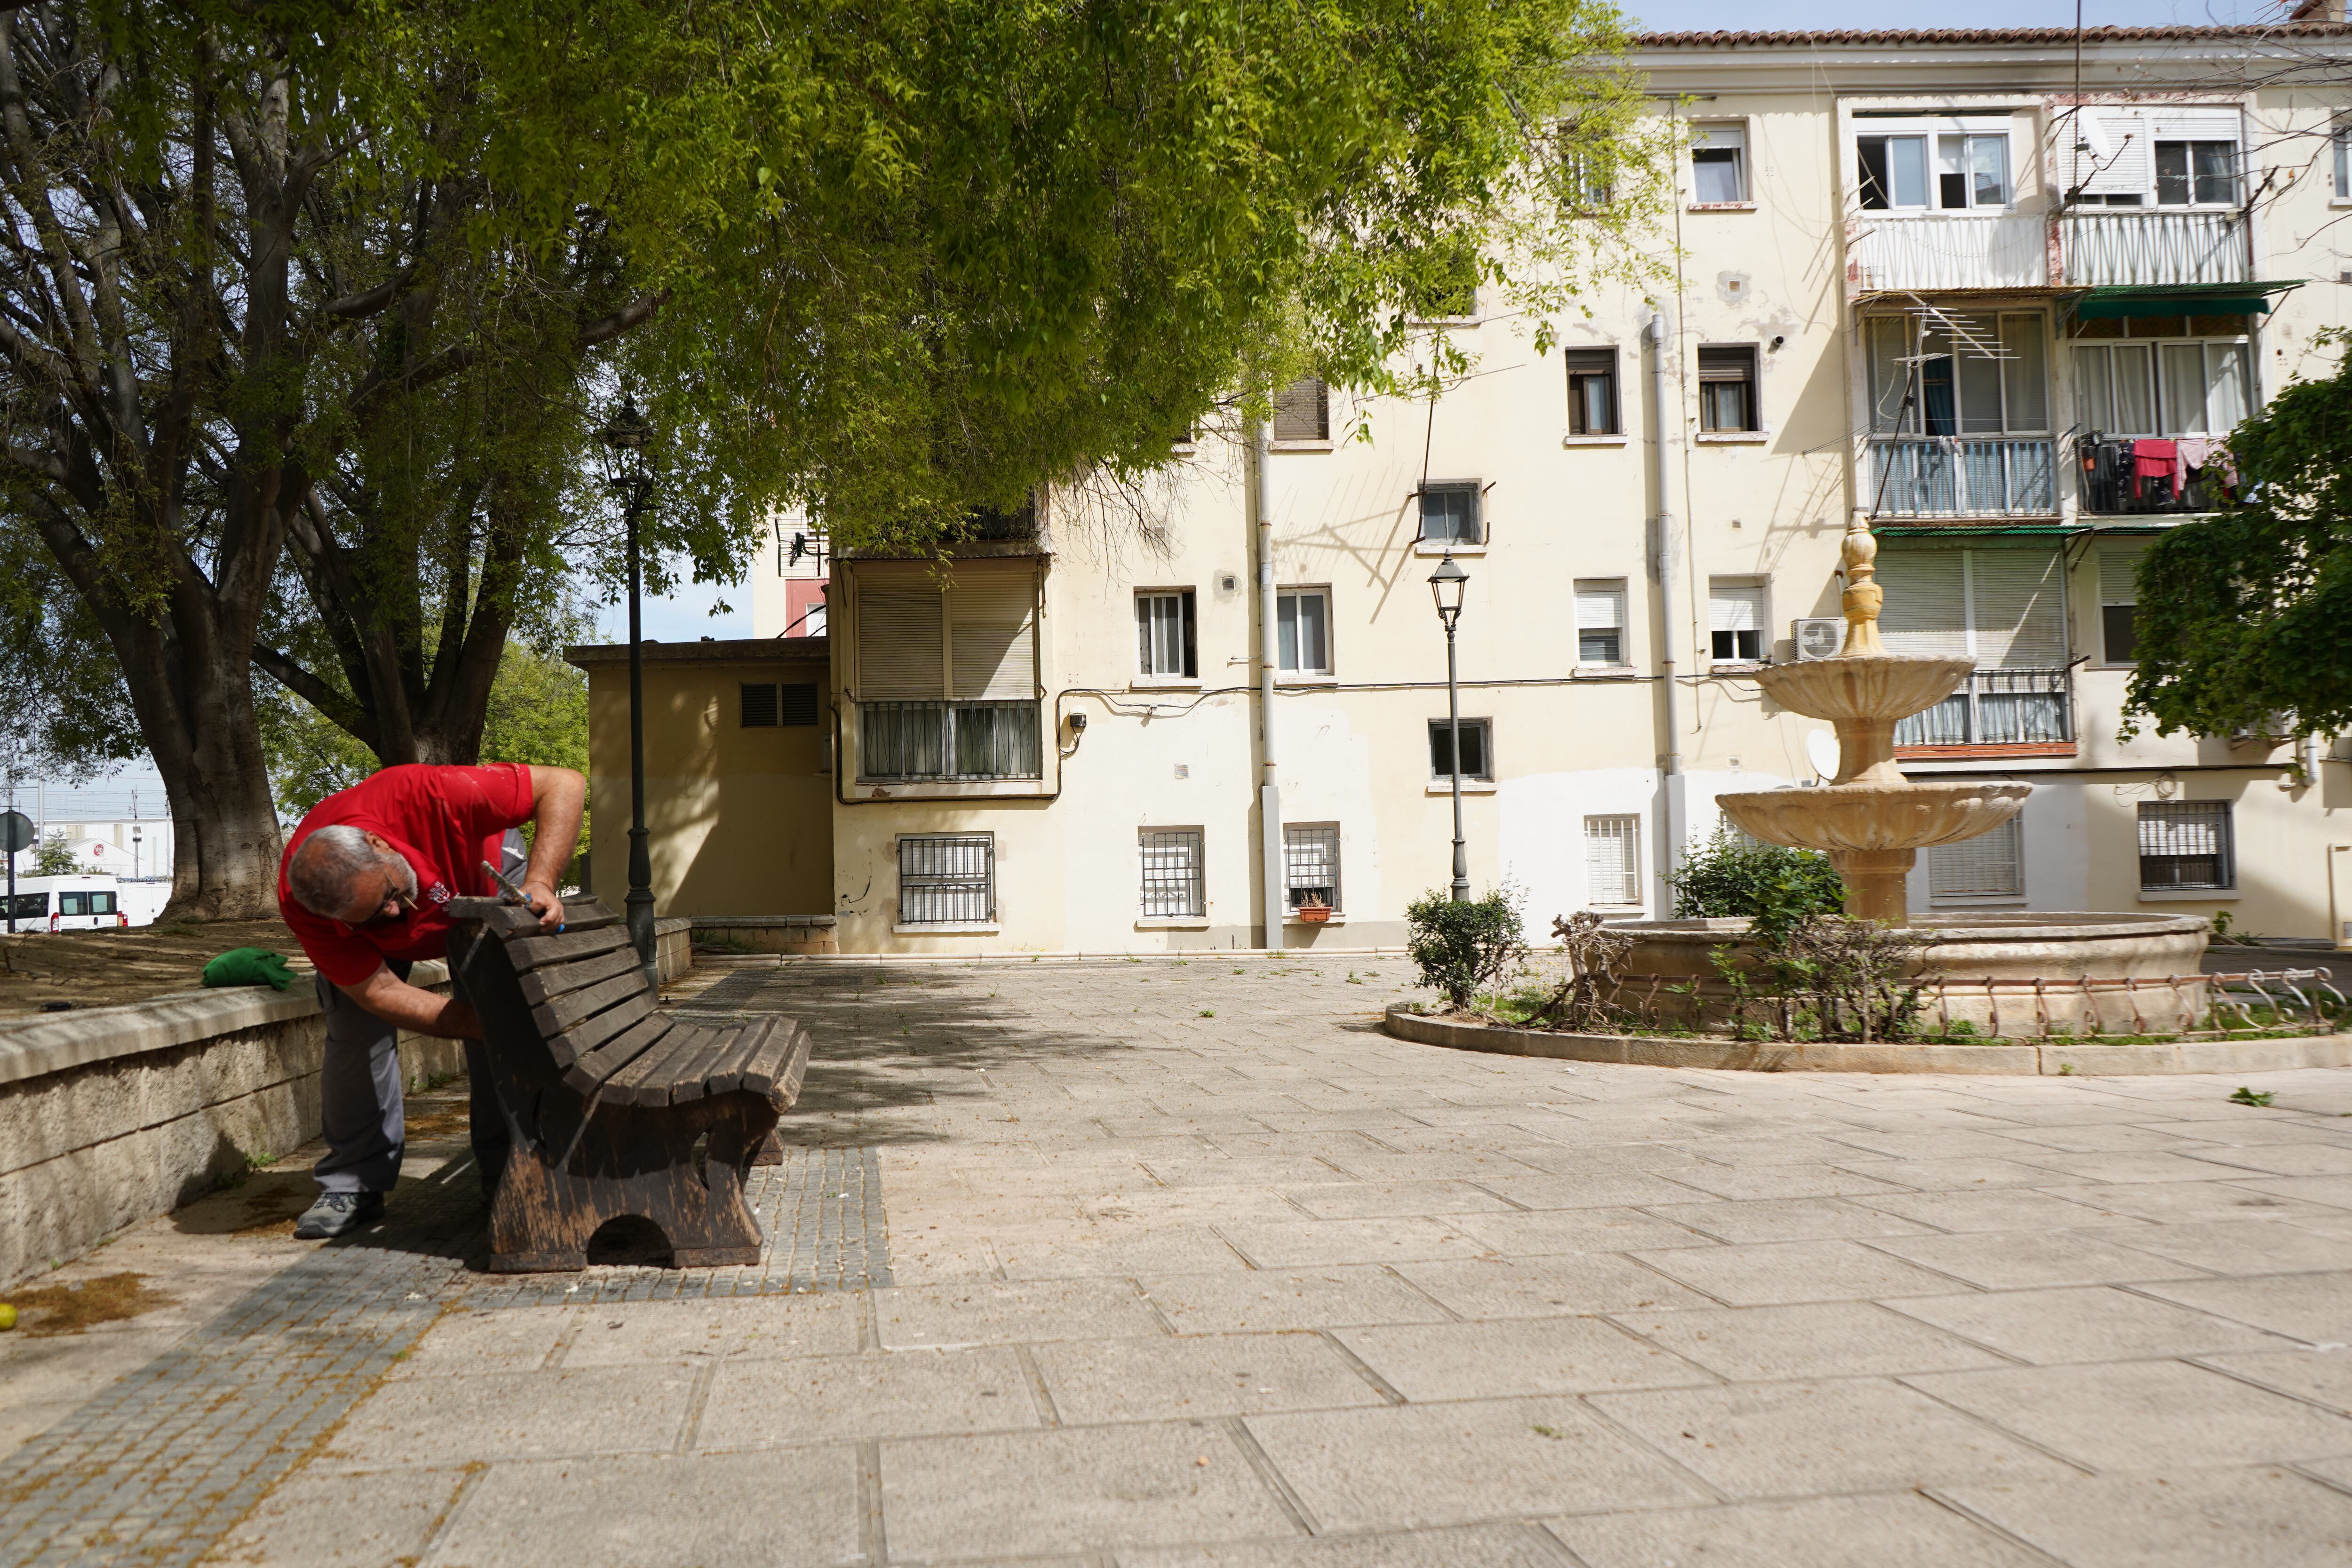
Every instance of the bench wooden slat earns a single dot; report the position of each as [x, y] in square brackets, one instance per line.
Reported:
[591, 1069]
[783, 1061]
[554, 1017]
[725, 1074]
[688, 1074]
[553, 980]
[583, 1038]
[646, 1080]
[587, 914]
[528, 953]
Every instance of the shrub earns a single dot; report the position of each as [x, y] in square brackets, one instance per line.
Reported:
[1728, 877]
[1464, 948]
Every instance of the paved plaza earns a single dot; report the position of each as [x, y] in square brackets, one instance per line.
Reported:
[1158, 1264]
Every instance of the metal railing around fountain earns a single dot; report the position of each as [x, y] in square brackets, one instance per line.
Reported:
[2186, 1006]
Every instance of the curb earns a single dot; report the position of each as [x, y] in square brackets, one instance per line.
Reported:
[2021, 1059]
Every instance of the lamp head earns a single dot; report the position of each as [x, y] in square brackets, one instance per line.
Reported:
[1445, 585]
[627, 430]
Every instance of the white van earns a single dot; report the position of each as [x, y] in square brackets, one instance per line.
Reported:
[66, 903]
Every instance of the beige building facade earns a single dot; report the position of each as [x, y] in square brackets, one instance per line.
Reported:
[1997, 304]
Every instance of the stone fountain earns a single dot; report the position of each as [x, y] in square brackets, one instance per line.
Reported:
[2001, 973]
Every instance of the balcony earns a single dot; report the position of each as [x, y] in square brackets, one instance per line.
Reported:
[1963, 476]
[1946, 250]
[2106, 247]
[901, 742]
[1999, 713]
[2106, 486]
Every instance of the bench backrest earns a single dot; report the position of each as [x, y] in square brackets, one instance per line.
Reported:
[546, 1001]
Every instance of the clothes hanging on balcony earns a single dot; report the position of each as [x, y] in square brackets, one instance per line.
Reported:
[2208, 464]
[2159, 461]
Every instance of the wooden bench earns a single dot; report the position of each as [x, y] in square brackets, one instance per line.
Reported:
[606, 1097]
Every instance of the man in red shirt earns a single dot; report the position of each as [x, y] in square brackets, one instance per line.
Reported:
[365, 884]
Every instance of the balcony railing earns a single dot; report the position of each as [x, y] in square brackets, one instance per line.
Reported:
[2101, 247]
[949, 741]
[1963, 476]
[1997, 707]
[2107, 484]
[1946, 250]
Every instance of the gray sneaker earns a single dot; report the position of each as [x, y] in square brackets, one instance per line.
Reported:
[338, 1214]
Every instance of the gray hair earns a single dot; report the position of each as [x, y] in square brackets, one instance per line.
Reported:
[324, 865]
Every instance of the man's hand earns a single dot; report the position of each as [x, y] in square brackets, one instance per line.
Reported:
[545, 905]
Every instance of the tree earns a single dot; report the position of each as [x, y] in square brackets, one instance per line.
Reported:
[53, 857]
[2245, 619]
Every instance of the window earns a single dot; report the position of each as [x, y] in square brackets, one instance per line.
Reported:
[73, 904]
[1174, 888]
[2343, 151]
[2005, 609]
[1303, 631]
[1302, 411]
[2196, 173]
[2185, 844]
[1310, 857]
[1477, 756]
[1720, 163]
[2161, 388]
[1592, 393]
[1973, 375]
[1972, 171]
[30, 906]
[1894, 171]
[1586, 170]
[1449, 513]
[101, 903]
[1735, 614]
[1601, 621]
[2118, 605]
[1163, 634]
[947, 675]
[792, 705]
[1612, 859]
[1989, 866]
[760, 706]
[946, 879]
[1727, 389]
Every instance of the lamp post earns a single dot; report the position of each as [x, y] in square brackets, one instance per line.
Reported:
[1445, 585]
[628, 474]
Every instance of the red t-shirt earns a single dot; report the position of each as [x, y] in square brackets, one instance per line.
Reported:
[446, 821]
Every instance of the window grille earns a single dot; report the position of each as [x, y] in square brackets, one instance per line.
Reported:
[2185, 844]
[1612, 858]
[1477, 760]
[1174, 885]
[796, 704]
[1989, 866]
[1302, 411]
[758, 706]
[946, 880]
[948, 740]
[1311, 853]
[1449, 514]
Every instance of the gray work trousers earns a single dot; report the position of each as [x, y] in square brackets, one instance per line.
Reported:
[361, 1114]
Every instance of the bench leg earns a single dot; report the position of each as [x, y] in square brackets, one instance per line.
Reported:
[634, 1160]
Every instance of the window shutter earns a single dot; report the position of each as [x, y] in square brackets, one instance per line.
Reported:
[2115, 158]
[1302, 411]
[995, 646]
[1989, 866]
[797, 705]
[2178, 123]
[1612, 860]
[759, 705]
[898, 640]
[1599, 606]
[1923, 613]
[1735, 608]
[2118, 582]
[1590, 361]
[1734, 363]
[2020, 613]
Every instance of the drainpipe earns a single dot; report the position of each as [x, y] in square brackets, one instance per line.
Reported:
[1274, 891]
[1663, 572]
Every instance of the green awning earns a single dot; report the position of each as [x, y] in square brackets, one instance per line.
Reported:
[2181, 300]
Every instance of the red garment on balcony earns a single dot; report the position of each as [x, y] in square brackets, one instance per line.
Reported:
[2155, 460]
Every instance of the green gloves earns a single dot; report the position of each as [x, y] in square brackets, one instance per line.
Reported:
[249, 967]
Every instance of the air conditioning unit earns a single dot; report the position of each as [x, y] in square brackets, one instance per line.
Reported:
[1817, 637]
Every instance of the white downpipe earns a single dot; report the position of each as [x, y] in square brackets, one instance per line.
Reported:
[1274, 891]
[1665, 569]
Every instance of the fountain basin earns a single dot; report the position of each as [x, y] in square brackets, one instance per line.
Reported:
[1879, 686]
[1978, 966]
[1875, 816]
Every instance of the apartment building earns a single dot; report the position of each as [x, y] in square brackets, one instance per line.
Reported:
[1997, 293]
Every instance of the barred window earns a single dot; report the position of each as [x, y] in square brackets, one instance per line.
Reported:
[2185, 844]
[1311, 853]
[958, 741]
[1989, 866]
[946, 879]
[1612, 858]
[1174, 887]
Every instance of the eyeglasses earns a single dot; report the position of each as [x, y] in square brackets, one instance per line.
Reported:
[390, 904]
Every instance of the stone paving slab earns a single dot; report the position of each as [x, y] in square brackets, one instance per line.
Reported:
[1062, 1272]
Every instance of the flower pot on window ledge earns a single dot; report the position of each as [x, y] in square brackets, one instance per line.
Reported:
[1314, 914]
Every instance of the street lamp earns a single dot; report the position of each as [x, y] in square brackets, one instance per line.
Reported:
[628, 474]
[1445, 585]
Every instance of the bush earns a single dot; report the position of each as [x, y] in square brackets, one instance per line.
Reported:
[1730, 877]
[1464, 948]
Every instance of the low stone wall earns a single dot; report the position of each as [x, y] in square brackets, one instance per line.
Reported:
[2017, 1056]
[112, 1115]
[768, 933]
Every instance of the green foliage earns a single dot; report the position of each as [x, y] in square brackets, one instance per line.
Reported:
[1825, 978]
[2245, 618]
[1464, 948]
[55, 858]
[1728, 877]
[2245, 1096]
